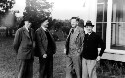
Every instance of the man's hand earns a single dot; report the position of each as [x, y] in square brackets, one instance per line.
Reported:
[45, 55]
[98, 58]
[65, 51]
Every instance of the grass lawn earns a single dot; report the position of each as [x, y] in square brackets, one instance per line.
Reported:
[9, 63]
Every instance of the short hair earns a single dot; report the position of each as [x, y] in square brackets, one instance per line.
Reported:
[44, 19]
[27, 18]
[77, 19]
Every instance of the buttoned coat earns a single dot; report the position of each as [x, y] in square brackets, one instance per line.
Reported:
[24, 43]
[91, 44]
[42, 43]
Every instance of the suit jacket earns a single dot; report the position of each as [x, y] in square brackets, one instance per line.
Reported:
[42, 43]
[91, 44]
[79, 38]
[24, 43]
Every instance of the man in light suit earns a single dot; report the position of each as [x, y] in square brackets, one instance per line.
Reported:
[73, 48]
[24, 46]
[45, 48]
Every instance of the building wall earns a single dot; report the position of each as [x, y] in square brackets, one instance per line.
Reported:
[90, 9]
[90, 14]
[114, 56]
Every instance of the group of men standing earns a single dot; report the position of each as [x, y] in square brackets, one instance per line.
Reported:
[81, 49]
[28, 44]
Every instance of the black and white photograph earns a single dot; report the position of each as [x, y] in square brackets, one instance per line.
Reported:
[62, 39]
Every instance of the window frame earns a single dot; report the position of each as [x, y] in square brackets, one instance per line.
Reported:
[108, 30]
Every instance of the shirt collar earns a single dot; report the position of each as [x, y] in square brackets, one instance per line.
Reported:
[75, 28]
[26, 28]
[44, 28]
[89, 33]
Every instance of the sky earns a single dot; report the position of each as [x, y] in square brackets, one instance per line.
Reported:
[65, 9]
[19, 5]
[62, 9]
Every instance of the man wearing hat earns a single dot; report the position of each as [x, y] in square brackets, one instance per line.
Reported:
[24, 46]
[90, 54]
[45, 48]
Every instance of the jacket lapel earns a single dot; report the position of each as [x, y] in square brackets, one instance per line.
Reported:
[67, 39]
[51, 36]
[32, 34]
[26, 32]
[43, 31]
[44, 35]
[76, 33]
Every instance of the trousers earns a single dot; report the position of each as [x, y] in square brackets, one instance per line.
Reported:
[26, 68]
[46, 67]
[88, 68]
[73, 67]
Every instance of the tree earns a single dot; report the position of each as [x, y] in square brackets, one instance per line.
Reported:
[7, 18]
[5, 6]
[66, 27]
[51, 23]
[81, 23]
[58, 25]
[36, 10]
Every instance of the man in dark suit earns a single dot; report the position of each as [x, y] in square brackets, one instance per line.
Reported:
[90, 53]
[24, 46]
[73, 48]
[45, 48]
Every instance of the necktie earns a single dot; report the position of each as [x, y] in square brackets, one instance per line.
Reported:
[47, 30]
[29, 32]
[72, 31]
[29, 29]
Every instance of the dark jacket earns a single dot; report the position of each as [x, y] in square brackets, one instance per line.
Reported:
[24, 43]
[90, 47]
[42, 43]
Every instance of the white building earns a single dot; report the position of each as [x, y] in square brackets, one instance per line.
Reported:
[108, 16]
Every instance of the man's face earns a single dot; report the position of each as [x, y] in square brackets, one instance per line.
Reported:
[74, 23]
[45, 23]
[28, 24]
[88, 29]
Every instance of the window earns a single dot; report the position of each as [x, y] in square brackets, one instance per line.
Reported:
[101, 20]
[118, 25]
